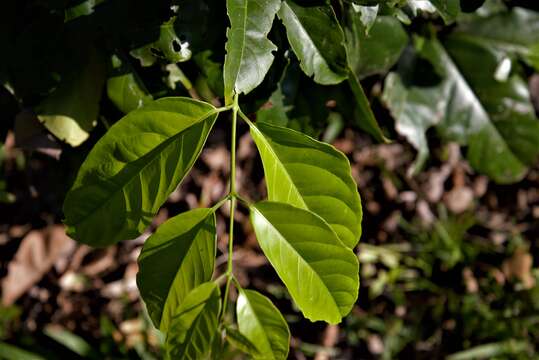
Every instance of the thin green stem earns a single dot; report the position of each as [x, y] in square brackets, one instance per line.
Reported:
[233, 199]
[224, 108]
[244, 117]
[220, 203]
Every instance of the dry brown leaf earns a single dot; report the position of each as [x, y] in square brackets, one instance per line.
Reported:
[459, 199]
[519, 266]
[36, 255]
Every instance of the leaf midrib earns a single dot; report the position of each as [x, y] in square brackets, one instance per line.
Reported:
[270, 149]
[259, 323]
[293, 249]
[244, 36]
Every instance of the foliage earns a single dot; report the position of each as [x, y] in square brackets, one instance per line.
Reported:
[295, 64]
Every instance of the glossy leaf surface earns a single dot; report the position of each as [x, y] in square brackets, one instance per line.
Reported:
[133, 168]
[320, 273]
[262, 323]
[249, 52]
[495, 119]
[377, 51]
[513, 32]
[317, 40]
[194, 324]
[310, 174]
[178, 257]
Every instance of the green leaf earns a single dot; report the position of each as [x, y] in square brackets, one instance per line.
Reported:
[378, 51]
[262, 323]
[415, 110]
[367, 15]
[364, 116]
[71, 341]
[70, 111]
[168, 46]
[320, 273]
[359, 48]
[312, 175]
[239, 341]
[317, 40]
[133, 168]
[513, 32]
[194, 324]
[211, 70]
[469, 106]
[124, 88]
[448, 9]
[249, 52]
[8, 351]
[178, 257]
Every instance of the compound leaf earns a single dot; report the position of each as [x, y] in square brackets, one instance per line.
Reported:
[320, 273]
[317, 40]
[178, 257]
[310, 174]
[262, 323]
[133, 168]
[194, 324]
[249, 52]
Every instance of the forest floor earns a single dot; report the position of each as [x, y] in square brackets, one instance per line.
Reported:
[447, 260]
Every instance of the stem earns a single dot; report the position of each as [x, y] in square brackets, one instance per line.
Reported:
[220, 203]
[233, 198]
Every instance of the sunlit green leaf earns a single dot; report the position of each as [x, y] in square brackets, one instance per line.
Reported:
[194, 324]
[317, 39]
[262, 323]
[178, 257]
[133, 168]
[310, 174]
[249, 52]
[320, 273]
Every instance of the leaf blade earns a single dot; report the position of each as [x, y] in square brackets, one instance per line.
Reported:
[317, 40]
[177, 258]
[312, 175]
[249, 52]
[262, 323]
[125, 179]
[320, 273]
[194, 324]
